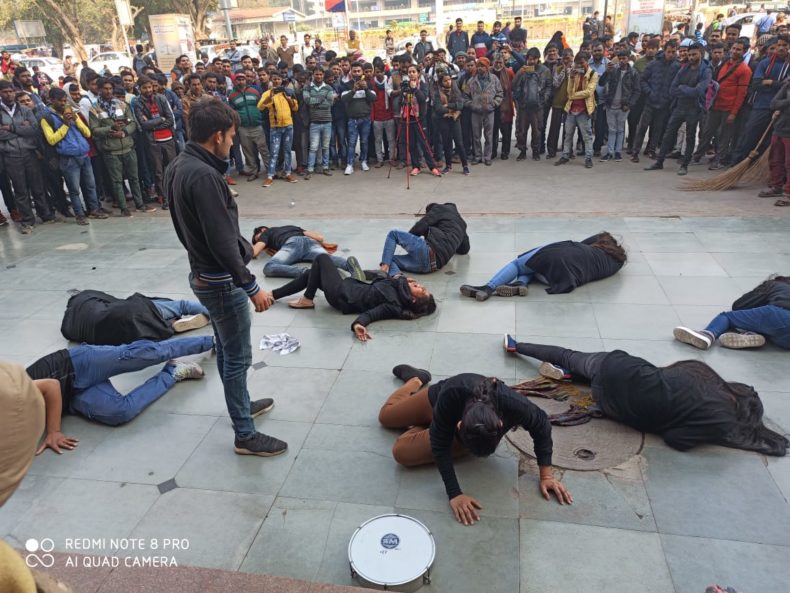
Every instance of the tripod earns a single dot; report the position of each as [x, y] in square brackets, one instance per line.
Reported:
[409, 97]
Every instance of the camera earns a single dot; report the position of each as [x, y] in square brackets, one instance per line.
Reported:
[405, 86]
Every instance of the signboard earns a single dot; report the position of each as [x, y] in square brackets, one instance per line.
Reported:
[289, 17]
[645, 16]
[338, 20]
[28, 29]
[424, 17]
[335, 5]
[124, 13]
[172, 35]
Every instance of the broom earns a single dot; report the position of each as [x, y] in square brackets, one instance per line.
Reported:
[730, 178]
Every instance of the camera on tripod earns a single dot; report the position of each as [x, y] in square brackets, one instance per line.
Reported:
[405, 87]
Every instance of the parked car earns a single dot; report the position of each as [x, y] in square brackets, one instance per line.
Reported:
[114, 60]
[52, 67]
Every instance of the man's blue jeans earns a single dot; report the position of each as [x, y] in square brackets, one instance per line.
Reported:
[97, 399]
[770, 321]
[297, 249]
[280, 136]
[229, 310]
[172, 310]
[74, 167]
[585, 127]
[358, 129]
[515, 271]
[320, 135]
[417, 258]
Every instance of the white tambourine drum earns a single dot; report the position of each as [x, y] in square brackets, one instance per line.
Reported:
[392, 553]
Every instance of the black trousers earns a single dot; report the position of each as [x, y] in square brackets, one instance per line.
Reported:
[506, 129]
[716, 126]
[529, 118]
[28, 181]
[654, 118]
[161, 155]
[600, 127]
[450, 130]
[634, 115]
[583, 365]
[553, 137]
[5, 189]
[466, 130]
[678, 117]
[322, 275]
[752, 130]
[417, 145]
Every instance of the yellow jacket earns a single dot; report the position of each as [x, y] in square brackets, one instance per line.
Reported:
[280, 106]
[587, 93]
[55, 136]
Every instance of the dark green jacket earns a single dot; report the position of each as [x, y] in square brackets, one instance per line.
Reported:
[101, 123]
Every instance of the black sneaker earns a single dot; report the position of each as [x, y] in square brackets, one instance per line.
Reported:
[261, 406]
[683, 170]
[606, 158]
[356, 271]
[657, 166]
[588, 164]
[521, 155]
[535, 156]
[562, 161]
[480, 293]
[261, 444]
[404, 372]
[618, 157]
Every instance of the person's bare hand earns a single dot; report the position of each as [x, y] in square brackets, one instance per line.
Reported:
[730, 119]
[552, 484]
[384, 268]
[57, 441]
[262, 301]
[464, 508]
[362, 333]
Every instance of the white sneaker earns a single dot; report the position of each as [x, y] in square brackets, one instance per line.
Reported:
[699, 339]
[365, 166]
[190, 322]
[185, 370]
[233, 192]
[349, 169]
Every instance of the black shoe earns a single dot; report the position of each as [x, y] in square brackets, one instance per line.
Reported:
[165, 206]
[580, 152]
[261, 406]
[635, 157]
[480, 293]
[597, 153]
[618, 157]
[535, 156]
[675, 155]
[371, 275]
[522, 155]
[588, 164]
[562, 161]
[404, 372]
[683, 170]
[261, 444]
[657, 166]
[125, 213]
[504, 157]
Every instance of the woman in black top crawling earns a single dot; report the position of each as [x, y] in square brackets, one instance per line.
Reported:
[687, 402]
[465, 413]
[384, 298]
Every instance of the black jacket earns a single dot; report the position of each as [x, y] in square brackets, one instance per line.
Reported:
[568, 264]
[444, 231]
[147, 122]
[449, 398]
[384, 298]
[781, 103]
[95, 317]
[770, 292]
[656, 81]
[684, 403]
[630, 92]
[206, 219]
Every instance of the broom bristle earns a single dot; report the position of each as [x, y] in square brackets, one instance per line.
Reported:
[726, 180]
[760, 173]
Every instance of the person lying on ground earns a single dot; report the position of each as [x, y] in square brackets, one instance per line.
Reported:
[760, 314]
[82, 380]
[94, 317]
[687, 403]
[429, 244]
[467, 413]
[383, 298]
[288, 245]
[563, 266]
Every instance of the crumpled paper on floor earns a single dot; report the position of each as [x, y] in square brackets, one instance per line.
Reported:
[282, 343]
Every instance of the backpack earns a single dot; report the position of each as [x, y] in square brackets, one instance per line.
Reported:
[529, 91]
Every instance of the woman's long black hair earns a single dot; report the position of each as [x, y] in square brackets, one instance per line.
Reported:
[480, 422]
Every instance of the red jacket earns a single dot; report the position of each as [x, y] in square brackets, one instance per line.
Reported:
[381, 110]
[732, 91]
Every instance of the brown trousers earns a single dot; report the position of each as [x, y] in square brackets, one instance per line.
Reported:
[407, 408]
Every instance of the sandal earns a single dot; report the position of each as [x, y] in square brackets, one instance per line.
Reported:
[782, 202]
[299, 304]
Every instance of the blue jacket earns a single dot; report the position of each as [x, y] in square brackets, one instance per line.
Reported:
[689, 87]
[766, 70]
[178, 109]
[656, 81]
[74, 143]
[482, 38]
[457, 42]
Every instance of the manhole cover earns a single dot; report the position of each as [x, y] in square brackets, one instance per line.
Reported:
[599, 444]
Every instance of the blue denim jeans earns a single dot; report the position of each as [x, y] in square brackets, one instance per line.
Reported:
[172, 310]
[320, 136]
[770, 321]
[74, 168]
[416, 259]
[358, 129]
[297, 249]
[615, 119]
[229, 310]
[340, 129]
[515, 271]
[585, 128]
[280, 136]
[97, 399]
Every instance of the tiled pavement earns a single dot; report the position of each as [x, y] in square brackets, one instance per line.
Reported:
[680, 522]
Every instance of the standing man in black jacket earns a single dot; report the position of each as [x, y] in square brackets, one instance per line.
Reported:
[206, 220]
[429, 244]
